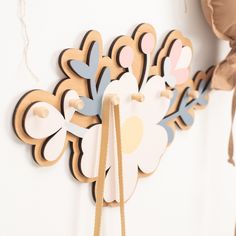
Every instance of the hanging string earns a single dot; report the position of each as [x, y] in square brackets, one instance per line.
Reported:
[21, 16]
[107, 106]
[185, 6]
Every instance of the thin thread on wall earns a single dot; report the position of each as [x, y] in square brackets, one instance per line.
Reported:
[21, 16]
[185, 6]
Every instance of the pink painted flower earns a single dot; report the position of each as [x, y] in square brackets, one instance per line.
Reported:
[176, 65]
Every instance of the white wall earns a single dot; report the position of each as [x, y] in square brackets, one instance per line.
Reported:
[193, 191]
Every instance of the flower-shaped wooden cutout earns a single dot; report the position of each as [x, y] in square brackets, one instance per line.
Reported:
[156, 95]
[141, 110]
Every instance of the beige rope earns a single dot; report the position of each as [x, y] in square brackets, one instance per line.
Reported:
[106, 110]
[120, 168]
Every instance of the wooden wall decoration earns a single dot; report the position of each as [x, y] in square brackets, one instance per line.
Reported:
[156, 93]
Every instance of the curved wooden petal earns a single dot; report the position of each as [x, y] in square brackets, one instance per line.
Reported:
[185, 58]
[130, 178]
[175, 52]
[54, 146]
[151, 149]
[40, 128]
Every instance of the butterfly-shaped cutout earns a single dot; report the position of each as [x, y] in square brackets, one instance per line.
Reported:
[177, 63]
[54, 126]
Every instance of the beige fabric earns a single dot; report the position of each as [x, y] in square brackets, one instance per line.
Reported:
[221, 16]
[108, 107]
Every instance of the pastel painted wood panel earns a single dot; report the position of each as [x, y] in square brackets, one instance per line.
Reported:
[156, 97]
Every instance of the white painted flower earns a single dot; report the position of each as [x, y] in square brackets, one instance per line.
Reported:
[143, 140]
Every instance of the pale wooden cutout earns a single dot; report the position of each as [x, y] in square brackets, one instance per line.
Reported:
[132, 112]
[81, 87]
[54, 146]
[40, 128]
[185, 57]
